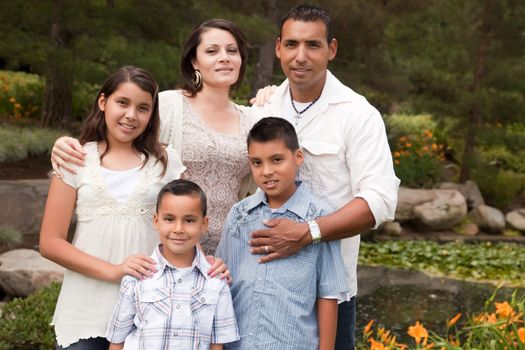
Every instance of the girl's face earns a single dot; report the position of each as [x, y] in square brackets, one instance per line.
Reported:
[218, 58]
[127, 112]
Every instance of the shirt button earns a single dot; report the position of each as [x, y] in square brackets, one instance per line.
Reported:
[176, 334]
[179, 280]
[259, 278]
[178, 306]
[203, 299]
[251, 334]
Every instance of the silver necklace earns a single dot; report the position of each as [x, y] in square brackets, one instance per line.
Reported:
[298, 114]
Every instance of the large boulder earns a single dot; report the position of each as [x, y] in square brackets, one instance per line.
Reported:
[516, 219]
[23, 271]
[23, 205]
[469, 190]
[431, 209]
[488, 219]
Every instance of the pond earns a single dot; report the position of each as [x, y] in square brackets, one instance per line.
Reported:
[396, 299]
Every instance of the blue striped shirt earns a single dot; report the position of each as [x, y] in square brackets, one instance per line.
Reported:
[275, 303]
[175, 309]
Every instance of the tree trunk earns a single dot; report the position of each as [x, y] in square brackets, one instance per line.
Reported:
[474, 117]
[266, 55]
[56, 111]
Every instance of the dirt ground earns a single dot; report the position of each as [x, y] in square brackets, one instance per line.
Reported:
[35, 167]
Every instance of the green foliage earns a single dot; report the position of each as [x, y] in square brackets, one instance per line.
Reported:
[9, 237]
[24, 323]
[499, 187]
[416, 151]
[21, 96]
[18, 143]
[497, 263]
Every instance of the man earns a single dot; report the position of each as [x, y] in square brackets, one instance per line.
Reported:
[347, 157]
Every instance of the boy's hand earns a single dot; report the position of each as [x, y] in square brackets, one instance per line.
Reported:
[283, 238]
[219, 267]
[66, 150]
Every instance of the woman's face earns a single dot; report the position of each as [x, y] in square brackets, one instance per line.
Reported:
[218, 58]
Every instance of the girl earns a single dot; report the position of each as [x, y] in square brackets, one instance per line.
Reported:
[201, 121]
[114, 195]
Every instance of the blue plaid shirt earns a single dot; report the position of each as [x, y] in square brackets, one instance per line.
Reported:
[175, 309]
[275, 303]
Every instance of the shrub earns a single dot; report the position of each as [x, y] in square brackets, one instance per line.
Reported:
[499, 187]
[416, 151]
[18, 143]
[9, 237]
[22, 94]
[25, 323]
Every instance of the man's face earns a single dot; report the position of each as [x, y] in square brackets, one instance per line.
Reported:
[304, 53]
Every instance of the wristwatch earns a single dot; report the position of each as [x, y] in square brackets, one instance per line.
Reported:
[314, 231]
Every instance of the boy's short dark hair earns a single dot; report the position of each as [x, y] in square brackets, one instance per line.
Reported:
[273, 128]
[309, 13]
[183, 188]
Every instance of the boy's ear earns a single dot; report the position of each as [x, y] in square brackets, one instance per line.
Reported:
[299, 157]
[156, 221]
[102, 102]
[205, 224]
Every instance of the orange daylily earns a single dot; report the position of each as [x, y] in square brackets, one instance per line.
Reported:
[368, 326]
[504, 309]
[521, 334]
[375, 345]
[453, 320]
[418, 332]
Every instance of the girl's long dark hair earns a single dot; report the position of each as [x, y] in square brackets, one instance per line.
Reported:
[94, 127]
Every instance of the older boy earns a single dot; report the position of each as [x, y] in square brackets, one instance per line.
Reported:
[181, 306]
[288, 303]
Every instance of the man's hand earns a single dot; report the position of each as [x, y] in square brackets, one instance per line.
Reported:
[66, 150]
[283, 238]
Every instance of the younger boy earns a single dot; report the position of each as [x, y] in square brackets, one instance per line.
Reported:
[288, 303]
[180, 307]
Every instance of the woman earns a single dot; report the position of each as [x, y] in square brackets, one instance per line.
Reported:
[201, 121]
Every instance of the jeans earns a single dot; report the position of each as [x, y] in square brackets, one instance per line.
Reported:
[98, 343]
[345, 336]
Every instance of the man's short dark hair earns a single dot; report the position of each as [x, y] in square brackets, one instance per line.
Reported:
[309, 13]
[183, 188]
[273, 128]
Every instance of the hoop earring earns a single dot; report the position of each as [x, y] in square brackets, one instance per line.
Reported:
[197, 79]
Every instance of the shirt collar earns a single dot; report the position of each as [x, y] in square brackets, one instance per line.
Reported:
[298, 203]
[333, 92]
[199, 263]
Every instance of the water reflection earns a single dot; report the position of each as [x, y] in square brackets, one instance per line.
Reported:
[396, 298]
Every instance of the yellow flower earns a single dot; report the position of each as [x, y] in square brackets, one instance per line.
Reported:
[504, 309]
[368, 326]
[521, 334]
[418, 332]
[453, 320]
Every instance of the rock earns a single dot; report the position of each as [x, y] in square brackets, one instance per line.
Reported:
[516, 219]
[391, 229]
[488, 219]
[445, 210]
[469, 190]
[407, 199]
[23, 271]
[23, 206]
[471, 229]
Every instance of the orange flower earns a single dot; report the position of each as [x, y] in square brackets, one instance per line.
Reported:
[397, 162]
[428, 133]
[453, 320]
[504, 309]
[521, 334]
[418, 332]
[375, 345]
[397, 154]
[368, 326]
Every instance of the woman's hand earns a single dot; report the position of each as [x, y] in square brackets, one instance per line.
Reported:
[138, 266]
[218, 267]
[263, 95]
[66, 150]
